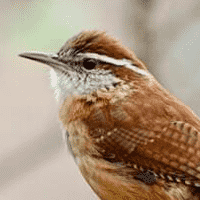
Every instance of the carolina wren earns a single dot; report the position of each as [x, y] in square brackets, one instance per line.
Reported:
[131, 138]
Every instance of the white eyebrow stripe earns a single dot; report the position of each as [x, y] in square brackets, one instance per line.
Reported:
[122, 62]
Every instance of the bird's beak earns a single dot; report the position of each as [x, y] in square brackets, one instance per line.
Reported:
[46, 58]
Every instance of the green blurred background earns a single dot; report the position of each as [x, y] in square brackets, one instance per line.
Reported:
[34, 162]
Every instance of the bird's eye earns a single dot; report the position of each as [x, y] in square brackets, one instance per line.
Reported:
[89, 64]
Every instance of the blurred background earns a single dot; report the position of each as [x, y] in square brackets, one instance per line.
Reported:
[34, 161]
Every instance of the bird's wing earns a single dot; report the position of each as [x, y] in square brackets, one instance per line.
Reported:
[171, 149]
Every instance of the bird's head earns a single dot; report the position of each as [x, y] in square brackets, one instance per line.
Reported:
[90, 61]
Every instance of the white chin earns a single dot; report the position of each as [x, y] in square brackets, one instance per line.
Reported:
[54, 84]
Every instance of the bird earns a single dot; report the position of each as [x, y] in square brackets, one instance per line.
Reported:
[130, 137]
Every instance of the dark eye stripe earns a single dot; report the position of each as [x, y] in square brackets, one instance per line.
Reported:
[113, 61]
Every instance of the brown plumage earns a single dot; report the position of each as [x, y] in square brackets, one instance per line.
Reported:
[100, 43]
[131, 137]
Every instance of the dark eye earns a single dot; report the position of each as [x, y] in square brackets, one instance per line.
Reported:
[89, 64]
